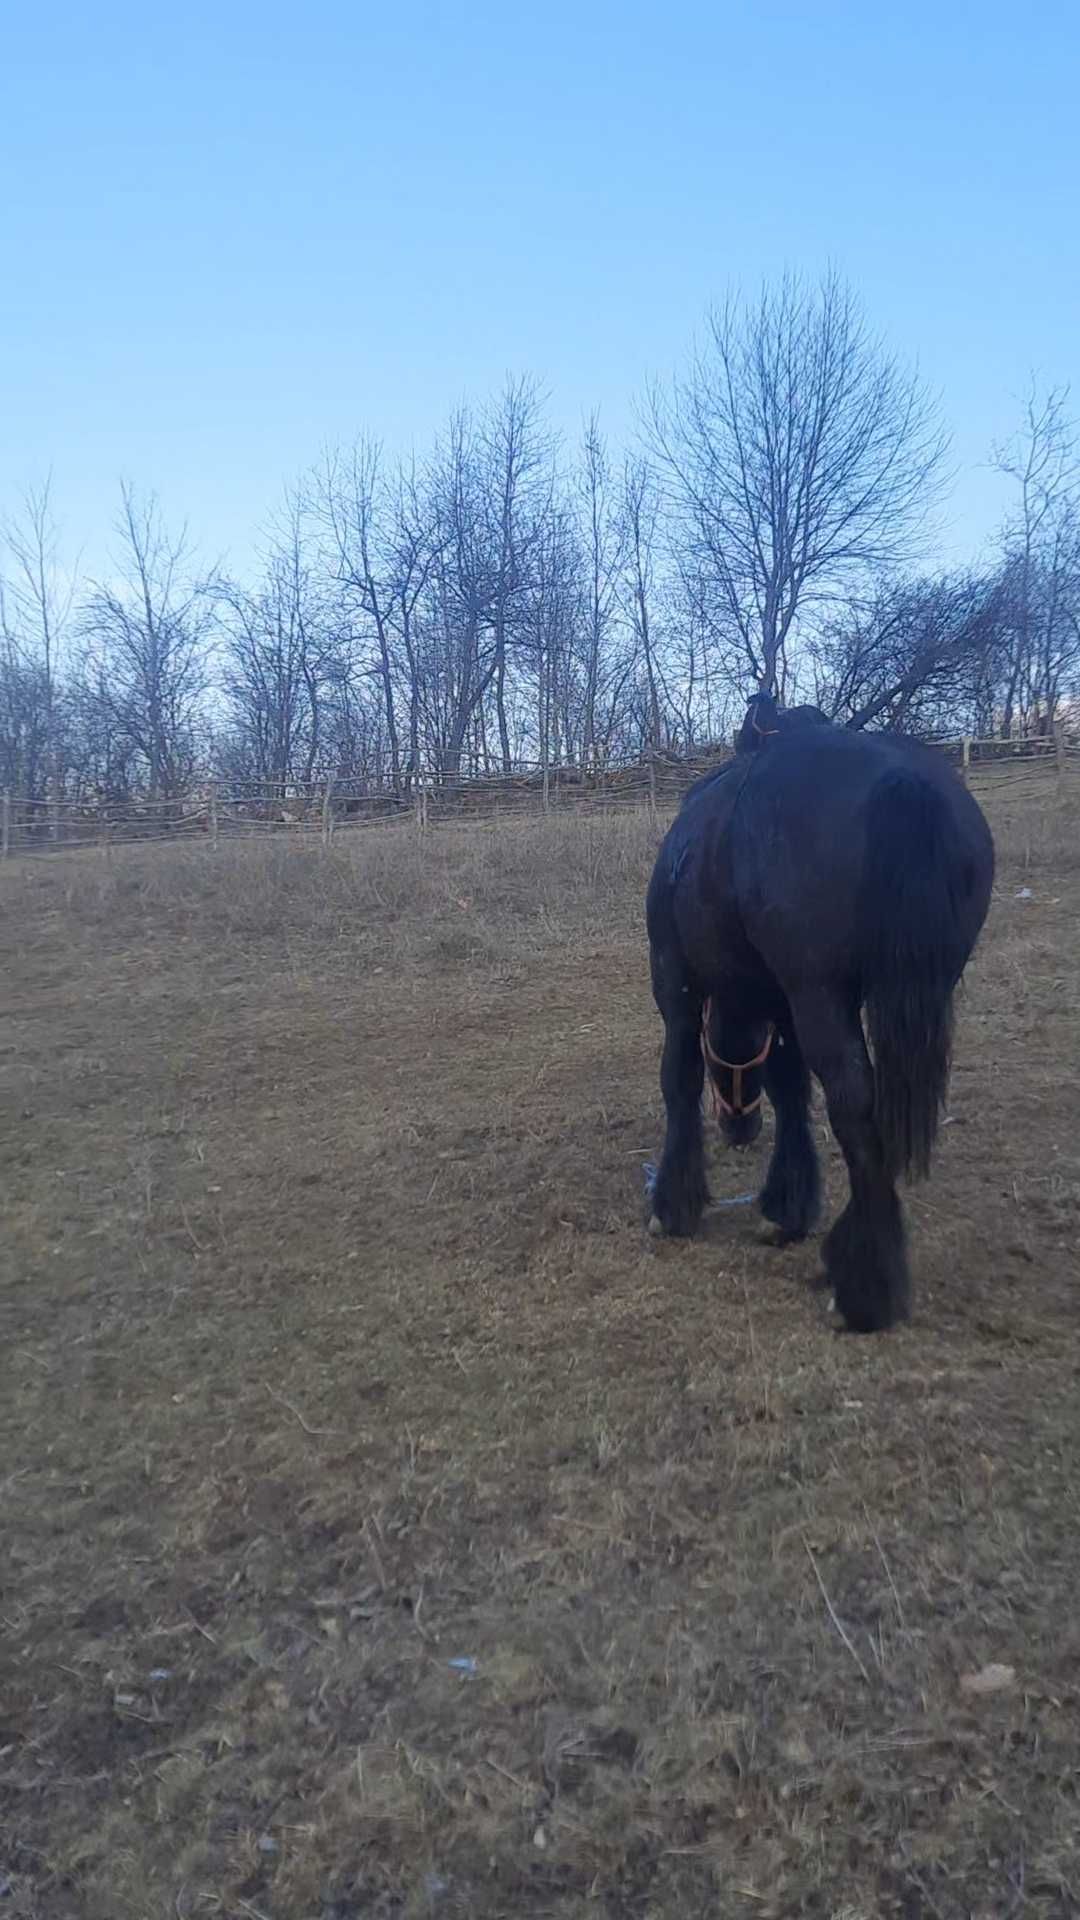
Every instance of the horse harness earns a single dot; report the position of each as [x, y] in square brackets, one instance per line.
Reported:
[735, 1107]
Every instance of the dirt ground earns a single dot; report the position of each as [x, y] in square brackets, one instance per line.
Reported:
[390, 1528]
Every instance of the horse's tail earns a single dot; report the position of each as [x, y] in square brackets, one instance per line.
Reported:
[914, 949]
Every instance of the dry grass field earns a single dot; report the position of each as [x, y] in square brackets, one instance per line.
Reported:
[390, 1528]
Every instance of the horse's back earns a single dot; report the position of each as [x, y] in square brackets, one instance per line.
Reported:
[803, 836]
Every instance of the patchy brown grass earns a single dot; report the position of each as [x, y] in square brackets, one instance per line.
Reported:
[335, 1355]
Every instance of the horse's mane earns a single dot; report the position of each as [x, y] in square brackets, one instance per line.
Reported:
[707, 780]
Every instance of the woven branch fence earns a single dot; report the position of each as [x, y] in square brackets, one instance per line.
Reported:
[214, 810]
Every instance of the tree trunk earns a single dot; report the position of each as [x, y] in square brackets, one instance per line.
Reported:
[500, 696]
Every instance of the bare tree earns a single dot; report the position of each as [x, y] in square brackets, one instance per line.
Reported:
[602, 533]
[700, 706]
[1054, 670]
[382, 546]
[917, 657]
[800, 457]
[351, 498]
[455, 671]
[515, 455]
[278, 653]
[460, 655]
[546, 633]
[24, 719]
[1041, 547]
[36, 599]
[413, 555]
[147, 631]
[640, 516]
[104, 764]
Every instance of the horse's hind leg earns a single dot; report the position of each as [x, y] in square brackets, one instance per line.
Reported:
[864, 1253]
[791, 1196]
[680, 1193]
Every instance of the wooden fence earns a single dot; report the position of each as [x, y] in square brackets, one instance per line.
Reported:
[215, 810]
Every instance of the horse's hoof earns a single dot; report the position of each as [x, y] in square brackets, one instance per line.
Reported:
[656, 1226]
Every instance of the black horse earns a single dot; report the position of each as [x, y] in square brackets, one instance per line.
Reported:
[820, 875]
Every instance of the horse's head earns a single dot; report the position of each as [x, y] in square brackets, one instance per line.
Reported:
[761, 722]
[736, 1073]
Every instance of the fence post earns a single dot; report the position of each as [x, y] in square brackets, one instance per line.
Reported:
[327, 815]
[966, 754]
[104, 838]
[652, 783]
[5, 824]
[421, 808]
[213, 814]
[1059, 749]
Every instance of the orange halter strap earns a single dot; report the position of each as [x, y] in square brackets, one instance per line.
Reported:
[735, 1106]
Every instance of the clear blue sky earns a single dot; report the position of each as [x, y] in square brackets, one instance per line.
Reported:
[231, 234]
